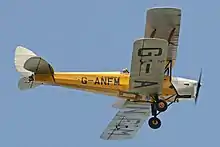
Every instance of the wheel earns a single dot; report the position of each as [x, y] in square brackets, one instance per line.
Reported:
[161, 105]
[154, 122]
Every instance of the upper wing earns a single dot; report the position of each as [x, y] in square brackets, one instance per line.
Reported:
[147, 66]
[127, 121]
[164, 23]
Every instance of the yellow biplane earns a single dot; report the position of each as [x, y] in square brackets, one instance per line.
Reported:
[147, 90]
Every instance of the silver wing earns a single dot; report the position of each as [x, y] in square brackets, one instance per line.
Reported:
[147, 66]
[164, 23]
[128, 120]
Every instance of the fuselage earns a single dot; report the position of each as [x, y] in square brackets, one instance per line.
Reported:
[114, 83]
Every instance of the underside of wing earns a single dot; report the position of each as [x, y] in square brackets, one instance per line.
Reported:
[127, 121]
[164, 23]
[147, 66]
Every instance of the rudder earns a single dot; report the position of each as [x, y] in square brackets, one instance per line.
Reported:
[22, 54]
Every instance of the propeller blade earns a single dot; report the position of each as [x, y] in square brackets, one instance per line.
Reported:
[198, 87]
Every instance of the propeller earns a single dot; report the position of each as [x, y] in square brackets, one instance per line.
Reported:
[198, 87]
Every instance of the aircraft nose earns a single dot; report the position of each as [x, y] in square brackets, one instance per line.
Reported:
[195, 85]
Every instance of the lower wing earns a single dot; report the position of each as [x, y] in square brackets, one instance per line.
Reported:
[127, 121]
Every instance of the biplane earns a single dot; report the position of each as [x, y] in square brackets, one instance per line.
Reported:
[148, 89]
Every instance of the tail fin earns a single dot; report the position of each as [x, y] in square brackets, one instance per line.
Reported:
[29, 64]
[21, 56]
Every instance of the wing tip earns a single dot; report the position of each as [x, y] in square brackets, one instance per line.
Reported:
[164, 8]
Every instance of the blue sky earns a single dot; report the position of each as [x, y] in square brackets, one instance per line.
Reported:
[97, 35]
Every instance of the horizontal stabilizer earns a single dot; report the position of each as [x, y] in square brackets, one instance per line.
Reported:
[24, 84]
[38, 65]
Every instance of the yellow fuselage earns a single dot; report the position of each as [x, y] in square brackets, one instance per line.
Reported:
[108, 83]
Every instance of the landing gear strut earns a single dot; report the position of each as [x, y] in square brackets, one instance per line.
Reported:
[158, 105]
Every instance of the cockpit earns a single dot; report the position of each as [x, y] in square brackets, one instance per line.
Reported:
[125, 70]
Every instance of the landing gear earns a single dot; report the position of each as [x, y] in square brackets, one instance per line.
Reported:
[154, 122]
[160, 106]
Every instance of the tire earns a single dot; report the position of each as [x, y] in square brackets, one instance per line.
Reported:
[154, 122]
[161, 106]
